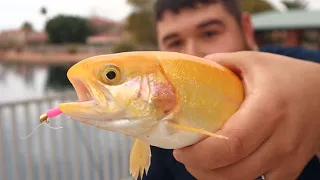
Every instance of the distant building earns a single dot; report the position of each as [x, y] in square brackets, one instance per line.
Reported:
[36, 37]
[18, 38]
[12, 38]
[104, 25]
[107, 31]
[292, 28]
[104, 39]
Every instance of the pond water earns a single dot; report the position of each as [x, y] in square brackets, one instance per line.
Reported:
[52, 154]
[22, 82]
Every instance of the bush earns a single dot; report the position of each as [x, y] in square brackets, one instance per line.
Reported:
[124, 46]
[72, 49]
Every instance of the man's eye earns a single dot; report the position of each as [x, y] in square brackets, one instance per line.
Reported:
[175, 43]
[209, 33]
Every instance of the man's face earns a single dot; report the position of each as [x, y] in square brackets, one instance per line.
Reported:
[202, 31]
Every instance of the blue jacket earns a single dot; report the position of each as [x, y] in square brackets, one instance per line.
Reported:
[165, 167]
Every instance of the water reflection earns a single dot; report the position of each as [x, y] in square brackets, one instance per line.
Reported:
[19, 82]
[57, 78]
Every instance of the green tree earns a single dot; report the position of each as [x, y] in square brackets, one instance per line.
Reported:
[140, 23]
[141, 4]
[68, 29]
[124, 46]
[255, 6]
[141, 27]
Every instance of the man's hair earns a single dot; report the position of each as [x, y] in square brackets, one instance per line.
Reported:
[232, 6]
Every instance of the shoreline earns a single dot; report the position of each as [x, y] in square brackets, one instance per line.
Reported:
[43, 58]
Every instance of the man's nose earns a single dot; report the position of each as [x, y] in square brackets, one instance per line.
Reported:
[194, 48]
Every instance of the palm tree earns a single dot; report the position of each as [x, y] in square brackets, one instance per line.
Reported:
[43, 11]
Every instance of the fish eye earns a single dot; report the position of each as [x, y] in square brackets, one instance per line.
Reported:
[111, 74]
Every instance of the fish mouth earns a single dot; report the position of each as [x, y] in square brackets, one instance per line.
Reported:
[94, 100]
[82, 90]
[91, 90]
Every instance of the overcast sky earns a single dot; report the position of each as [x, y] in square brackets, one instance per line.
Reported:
[14, 12]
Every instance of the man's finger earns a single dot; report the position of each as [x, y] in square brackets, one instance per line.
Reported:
[258, 163]
[245, 133]
[235, 61]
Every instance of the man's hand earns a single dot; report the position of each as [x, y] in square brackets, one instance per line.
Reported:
[277, 129]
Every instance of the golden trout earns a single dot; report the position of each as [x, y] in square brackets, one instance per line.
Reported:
[164, 99]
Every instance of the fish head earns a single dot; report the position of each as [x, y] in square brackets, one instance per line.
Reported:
[124, 92]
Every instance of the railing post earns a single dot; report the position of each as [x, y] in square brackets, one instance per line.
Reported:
[3, 169]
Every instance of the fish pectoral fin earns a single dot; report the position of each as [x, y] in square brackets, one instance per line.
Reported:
[140, 159]
[192, 129]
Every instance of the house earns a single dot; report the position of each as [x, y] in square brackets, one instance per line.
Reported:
[18, 38]
[104, 25]
[104, 39]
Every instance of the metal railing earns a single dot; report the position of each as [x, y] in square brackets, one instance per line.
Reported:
[76, 151]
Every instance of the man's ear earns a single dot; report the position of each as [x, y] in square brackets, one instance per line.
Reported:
[248, 30]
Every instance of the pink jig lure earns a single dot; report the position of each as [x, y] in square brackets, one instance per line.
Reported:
[51, 113]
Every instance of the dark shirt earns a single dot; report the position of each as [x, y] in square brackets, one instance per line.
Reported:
[165, 167]
[294, 52]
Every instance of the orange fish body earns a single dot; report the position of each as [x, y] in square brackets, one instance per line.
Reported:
[165, 99]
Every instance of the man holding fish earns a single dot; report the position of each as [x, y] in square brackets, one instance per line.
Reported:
[276, 133]
[227, 110]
